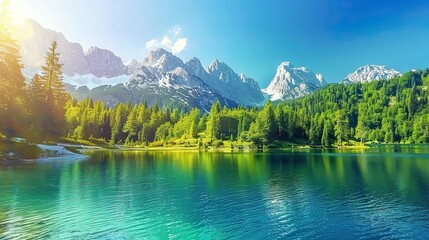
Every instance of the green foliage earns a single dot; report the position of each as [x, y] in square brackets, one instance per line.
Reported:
[213, 122]
[54, 96]
[263, 130]
[217, 143]
[21, 149]
[12, 82]
[325, 135]
[337, 114]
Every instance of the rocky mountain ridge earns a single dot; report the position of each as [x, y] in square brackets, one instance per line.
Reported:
[292, 82]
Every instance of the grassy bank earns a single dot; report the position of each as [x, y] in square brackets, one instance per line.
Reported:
[18, 150]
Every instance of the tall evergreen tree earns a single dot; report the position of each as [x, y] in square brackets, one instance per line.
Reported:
[194, 115]
[55, 95]
[214, 121]
[312, 134]
[325, 135]
[119, 117]
[341, 126]
[264, 130]
[35, 107]
[412, 102]
[281, 120]
[12, 81]
[130, 125]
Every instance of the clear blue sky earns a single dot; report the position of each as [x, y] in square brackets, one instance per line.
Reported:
[332, 37]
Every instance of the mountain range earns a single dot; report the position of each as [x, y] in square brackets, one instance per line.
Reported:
[166, 79]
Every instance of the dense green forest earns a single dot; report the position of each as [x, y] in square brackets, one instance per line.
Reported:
[388, 111]
[381, 111]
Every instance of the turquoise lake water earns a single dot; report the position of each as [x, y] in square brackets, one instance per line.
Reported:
[309, 194]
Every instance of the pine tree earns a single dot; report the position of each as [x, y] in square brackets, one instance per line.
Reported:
[312, 135]
[360, 130]
[193, 131]
[12, 81]
[214, 121]
[269, 122]
[118, 119]
[202, 124]
[341, 126]
[35, 107]
[412, 102]
[264, 129]
[55, 95]
[325, 135]
[130, 126]
[280, 120]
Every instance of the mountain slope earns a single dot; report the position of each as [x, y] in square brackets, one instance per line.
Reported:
[132, 66]
[100, 63]
[174, 88]
[104, 63]
[99, 72]
[370, 73]
[292, 82]
[37, 42]
[162, 60]
[221, 77]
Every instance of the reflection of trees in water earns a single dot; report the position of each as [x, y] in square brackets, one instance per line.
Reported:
[114, 183]
[336, 172]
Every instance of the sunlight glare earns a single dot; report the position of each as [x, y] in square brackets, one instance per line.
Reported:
[19, 11]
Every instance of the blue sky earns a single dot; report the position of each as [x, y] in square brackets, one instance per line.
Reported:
[332, 37]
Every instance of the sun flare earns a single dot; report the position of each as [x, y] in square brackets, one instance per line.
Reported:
[19, 11]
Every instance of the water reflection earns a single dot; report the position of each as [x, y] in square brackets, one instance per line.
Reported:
[219, 195]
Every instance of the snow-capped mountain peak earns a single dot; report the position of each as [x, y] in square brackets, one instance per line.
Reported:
[285, 65]
[218, 66]
[369, 73]
[291, 82]
[244, 90]
[194, 66]
[249, 81]
[162, 60]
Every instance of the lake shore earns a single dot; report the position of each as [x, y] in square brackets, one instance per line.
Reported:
[67, 151]
[44, 152]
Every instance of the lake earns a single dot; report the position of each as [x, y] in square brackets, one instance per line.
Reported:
[325, 194]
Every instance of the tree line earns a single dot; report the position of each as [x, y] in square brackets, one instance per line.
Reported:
[385, 111]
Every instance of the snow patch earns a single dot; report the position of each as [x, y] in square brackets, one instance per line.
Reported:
[92, 81]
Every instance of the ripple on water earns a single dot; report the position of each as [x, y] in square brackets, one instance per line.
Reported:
[269, 197]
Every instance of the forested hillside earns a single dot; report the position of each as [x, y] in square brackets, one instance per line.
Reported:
[382, 111]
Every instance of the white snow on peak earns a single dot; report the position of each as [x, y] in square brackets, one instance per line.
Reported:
[291, 82]
[162, 60]
[285, 65]
[370, 73]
